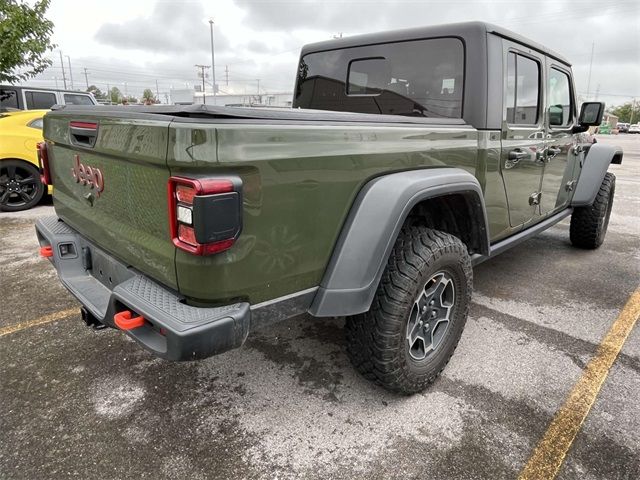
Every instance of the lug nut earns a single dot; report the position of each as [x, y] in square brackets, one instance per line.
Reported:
[432, 302]
[433, 313]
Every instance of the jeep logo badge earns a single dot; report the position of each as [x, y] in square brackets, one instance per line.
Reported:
[87, 175]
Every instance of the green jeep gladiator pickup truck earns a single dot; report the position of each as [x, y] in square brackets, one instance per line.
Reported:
[408, 157]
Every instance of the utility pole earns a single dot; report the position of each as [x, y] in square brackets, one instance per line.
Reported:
[64, 78]
[226, 74]
[157, 92]
[204, 96]
[593, 44]
[213, 65]
[70, 72]
[258, 80]
[86, 78]
[633, 108]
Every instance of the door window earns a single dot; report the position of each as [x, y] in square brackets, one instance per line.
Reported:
[8, 99]
[559, 99]
[39, 100]
[523, 90]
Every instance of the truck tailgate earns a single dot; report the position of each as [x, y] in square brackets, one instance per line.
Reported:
[110, 184]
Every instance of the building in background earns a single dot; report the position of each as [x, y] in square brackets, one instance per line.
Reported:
[194, 96]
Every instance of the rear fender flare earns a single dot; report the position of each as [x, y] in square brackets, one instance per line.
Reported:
[372, 226]
[595, 165]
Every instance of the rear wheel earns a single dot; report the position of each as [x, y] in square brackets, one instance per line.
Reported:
[417, 316]
[20, 186]
[589, 224]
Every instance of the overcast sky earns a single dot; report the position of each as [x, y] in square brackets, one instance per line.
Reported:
[141, 41]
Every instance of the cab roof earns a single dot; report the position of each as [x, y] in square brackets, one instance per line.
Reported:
[465, 30]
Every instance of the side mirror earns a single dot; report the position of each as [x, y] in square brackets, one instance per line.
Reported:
[591, 114]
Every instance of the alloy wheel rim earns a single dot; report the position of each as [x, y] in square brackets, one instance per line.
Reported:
[18, 186]
[430, 316]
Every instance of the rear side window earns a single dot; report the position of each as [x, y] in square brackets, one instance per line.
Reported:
[522, 97]
[39, 100]
[8, 99]
[76, 99]
[416, 78]
[559, 99]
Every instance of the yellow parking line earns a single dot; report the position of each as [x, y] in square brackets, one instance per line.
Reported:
[52, 317]
[547, 458]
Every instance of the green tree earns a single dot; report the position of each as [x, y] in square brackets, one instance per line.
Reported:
[148, 96]
[97, 92]
[624, 112]
[115, 95]
[25, 38]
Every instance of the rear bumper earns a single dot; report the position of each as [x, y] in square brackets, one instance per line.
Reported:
[105, 286]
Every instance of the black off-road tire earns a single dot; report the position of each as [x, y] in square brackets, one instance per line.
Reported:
[589, 224]
[377, 342]
[20, 186]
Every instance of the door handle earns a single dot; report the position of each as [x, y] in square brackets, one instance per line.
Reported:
[552, 152]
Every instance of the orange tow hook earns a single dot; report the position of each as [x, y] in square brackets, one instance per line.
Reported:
[46, 251]
[124, 321]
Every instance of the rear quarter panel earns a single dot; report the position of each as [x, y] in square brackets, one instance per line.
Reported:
[299, 184]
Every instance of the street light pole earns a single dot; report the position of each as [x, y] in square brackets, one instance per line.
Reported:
[213, 63]
[70, 72]
[64, 78]
[86, 78]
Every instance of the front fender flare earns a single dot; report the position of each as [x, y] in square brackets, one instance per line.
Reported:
[372, 226]
[595, 166]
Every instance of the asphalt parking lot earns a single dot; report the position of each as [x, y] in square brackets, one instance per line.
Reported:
[76, 403]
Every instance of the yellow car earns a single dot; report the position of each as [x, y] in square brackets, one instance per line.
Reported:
[20, 186]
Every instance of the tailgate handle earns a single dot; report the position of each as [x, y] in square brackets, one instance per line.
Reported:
[83, 134]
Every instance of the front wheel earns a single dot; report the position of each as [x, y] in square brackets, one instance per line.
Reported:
[589, 224]
[20, 186]
[418, 313]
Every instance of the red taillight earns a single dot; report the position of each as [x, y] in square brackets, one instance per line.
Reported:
[43, 160]
[185, 194]
[204, 213]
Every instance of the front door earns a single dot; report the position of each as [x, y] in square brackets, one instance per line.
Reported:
[561, 155]
[523, 132]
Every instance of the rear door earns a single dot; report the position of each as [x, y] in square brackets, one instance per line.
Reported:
[523, 132]
[110, 184]
[561, 151]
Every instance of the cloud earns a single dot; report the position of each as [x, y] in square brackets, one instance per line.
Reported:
[163, 39]
[170, 28]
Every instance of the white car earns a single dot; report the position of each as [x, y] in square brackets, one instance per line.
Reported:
[635, 128]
